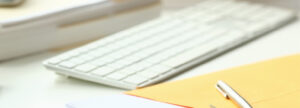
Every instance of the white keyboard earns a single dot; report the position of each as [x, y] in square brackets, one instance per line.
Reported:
[158, 49]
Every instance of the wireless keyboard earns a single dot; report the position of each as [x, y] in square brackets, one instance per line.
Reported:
[158, 49]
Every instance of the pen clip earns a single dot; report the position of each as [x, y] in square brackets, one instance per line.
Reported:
[231, 94]
[222, 91]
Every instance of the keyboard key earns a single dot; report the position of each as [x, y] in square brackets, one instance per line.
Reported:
[116, 76]
[154, 59]
[126, 72]
[98, 63]
[160, 69]
[123, 62]
[67, 65]
[189, 55]
[102, 71]
[85, 57]
[143, 65]
[85, 68]
[131, 59]
[115, 66]
[135, 79]
[149, 74]
[135, 68]
[140, 55]
[76, 61]
[101, 61]
[102, 51]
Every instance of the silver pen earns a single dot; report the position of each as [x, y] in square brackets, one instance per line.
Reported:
[229, 93]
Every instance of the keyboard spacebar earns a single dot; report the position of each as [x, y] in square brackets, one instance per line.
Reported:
[191, 55]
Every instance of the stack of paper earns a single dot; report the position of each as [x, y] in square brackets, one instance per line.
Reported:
[38, 25]
[35, 7]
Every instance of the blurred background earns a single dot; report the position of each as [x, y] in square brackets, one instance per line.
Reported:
[175, 4]
[25, 83]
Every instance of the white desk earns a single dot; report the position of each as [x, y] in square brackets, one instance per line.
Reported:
[25, 83]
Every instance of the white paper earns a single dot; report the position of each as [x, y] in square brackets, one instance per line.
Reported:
[41, 7]
[120, 101]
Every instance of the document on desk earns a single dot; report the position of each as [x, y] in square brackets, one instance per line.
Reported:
[120, 101]
[273, 83]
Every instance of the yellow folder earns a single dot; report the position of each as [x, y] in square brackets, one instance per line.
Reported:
[268, 84]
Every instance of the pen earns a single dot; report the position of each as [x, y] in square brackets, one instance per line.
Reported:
[229, 93]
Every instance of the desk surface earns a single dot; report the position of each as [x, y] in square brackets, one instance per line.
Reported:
[25, 83]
